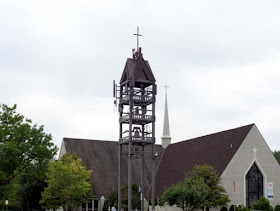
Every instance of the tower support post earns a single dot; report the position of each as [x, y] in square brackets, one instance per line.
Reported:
[120, 159]
[130, 148]
[153, 151]
[142, 179]
[119, 179]
[153, 180]
[129, 177]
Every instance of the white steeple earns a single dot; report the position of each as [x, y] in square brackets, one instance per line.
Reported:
[166, 138]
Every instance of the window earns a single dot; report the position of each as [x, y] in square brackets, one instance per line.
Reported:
[254, 185]
[95, 206]
[84, 207]
[90, 205]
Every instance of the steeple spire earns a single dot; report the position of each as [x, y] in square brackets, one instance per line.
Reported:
[166, 138]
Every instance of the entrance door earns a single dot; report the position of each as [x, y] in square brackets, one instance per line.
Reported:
[254, 186]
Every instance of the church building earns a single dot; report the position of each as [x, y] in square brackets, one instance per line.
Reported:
[241, 156]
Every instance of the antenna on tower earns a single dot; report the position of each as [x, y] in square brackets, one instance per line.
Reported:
[114, 88]
[115, 93]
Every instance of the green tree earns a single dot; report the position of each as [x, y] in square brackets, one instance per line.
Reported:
[112, 199]
[68, 183]
[200, 189]
[30, 191]
[187, 194]
[276, 154]
[22, 145]
[217, 196]
[11, 194]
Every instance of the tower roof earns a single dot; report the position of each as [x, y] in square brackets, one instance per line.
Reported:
[142, 69]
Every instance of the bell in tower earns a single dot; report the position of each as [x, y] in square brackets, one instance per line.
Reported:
[136, 96]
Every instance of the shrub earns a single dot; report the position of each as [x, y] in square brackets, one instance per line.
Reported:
[232, 208]
[262, 204]
[224, 209]
[277, 208]
[239, 208]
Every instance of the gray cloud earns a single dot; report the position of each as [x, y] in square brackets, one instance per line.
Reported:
[220, 59]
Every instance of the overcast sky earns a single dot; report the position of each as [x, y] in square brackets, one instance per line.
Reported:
[221, 60]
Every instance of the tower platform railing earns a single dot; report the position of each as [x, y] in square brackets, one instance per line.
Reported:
[148, 140]
[137, 119]
[137, 99]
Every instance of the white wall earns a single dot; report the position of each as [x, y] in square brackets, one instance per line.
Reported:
[62, 150]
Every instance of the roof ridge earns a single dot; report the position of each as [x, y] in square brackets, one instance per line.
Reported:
[191, 139]
[87, 139]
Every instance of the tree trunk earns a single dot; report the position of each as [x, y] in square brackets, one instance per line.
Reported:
[66, 206]
[4, 197]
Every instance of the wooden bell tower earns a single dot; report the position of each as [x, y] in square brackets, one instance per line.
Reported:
[136, 97]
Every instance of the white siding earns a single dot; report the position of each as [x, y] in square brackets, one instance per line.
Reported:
[62, 150]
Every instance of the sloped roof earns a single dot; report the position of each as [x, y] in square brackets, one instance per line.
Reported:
[179, 158]
[143, 71]
[102, 158]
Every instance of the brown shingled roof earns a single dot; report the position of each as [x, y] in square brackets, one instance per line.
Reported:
[179, 158]
[143, 71]
[102, 158]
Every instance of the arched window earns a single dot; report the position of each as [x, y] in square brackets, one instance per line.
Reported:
[254, 185]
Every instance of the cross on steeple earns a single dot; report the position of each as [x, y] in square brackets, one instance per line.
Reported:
[166, 87]
[138, 35]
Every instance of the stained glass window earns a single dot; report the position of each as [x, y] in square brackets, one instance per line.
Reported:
[254, 185]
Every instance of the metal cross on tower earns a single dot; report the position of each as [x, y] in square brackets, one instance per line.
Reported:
[138, 35]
